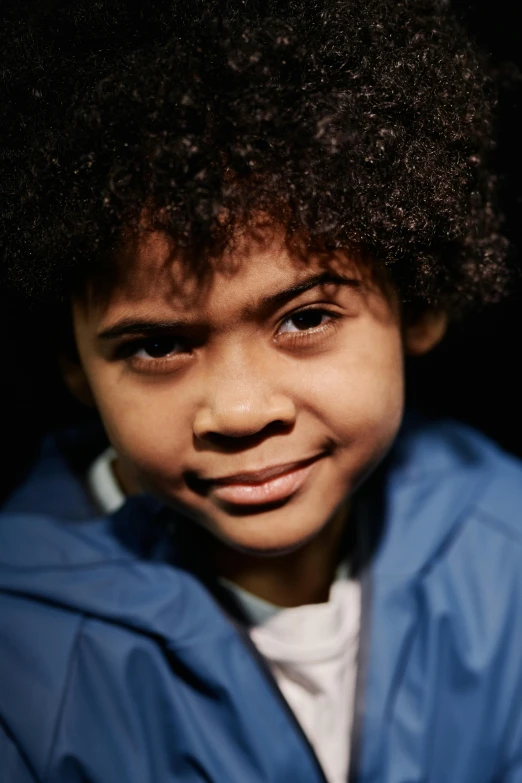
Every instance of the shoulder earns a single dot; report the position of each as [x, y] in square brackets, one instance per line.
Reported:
[54, 484]
[441, 483]
[73, 596]
[449, 563]
[63, 570]
[460, 463]
[37, 644]
[456, 530]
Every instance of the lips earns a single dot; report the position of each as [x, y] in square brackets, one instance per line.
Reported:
[268, 485]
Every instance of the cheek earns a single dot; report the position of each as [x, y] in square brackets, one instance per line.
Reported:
[147, 423]
[360, 394]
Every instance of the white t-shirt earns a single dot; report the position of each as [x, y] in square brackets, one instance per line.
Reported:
[311, 650]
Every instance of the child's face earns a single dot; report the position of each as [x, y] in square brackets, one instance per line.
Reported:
[257, 402]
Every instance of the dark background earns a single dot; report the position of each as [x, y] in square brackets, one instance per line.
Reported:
[473, 375]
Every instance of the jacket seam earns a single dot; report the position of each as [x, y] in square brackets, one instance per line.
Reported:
[63, 699]
[499, 525]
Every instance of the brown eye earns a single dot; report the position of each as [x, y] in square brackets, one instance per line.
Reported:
[158, 348]
[305, 320]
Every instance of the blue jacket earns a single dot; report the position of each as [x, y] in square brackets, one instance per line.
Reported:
[118, 664]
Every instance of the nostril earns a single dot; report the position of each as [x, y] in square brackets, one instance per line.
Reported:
[229, 443]
[229, 421]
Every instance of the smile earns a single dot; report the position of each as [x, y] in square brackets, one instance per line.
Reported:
[264, 486]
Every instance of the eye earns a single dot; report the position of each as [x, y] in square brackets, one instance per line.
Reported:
[158, 348]
[305, 320]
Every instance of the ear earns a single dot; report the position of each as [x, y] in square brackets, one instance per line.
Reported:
[423, 333]
[76, 380]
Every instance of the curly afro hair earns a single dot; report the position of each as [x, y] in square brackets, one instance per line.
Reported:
[362, 124]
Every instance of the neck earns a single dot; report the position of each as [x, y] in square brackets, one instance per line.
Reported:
[301, 577]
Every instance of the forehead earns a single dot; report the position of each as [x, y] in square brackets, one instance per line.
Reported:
[152, 273]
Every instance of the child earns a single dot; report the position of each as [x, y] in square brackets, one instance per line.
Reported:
[246, 215]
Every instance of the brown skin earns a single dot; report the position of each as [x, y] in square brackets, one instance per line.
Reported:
[248, 384]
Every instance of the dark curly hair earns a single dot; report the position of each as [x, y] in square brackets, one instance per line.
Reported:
[362, 124]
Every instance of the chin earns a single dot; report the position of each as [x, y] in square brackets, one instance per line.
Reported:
[266, 549]
[262, 537]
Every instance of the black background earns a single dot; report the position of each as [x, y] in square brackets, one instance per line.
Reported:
[475, 375]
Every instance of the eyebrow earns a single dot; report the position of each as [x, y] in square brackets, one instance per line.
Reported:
[325, 278]
[130, 326]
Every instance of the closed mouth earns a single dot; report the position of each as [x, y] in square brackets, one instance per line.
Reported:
[257, 489]
[260, 476]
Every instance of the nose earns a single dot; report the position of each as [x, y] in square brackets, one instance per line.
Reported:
[241, 401]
